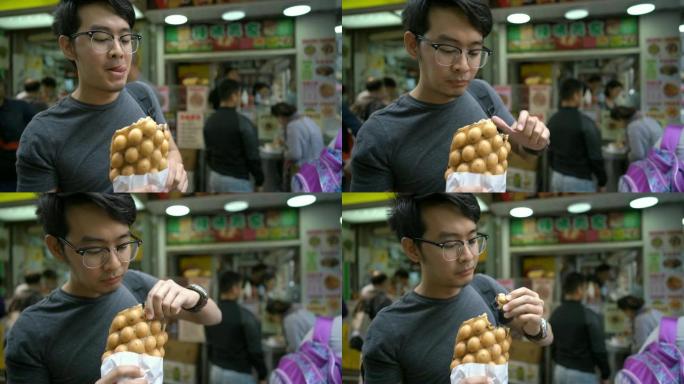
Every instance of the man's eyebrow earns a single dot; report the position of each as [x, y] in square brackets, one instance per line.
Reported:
[456, 41]
[107, 29]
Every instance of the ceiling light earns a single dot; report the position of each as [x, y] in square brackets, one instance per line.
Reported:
[681, 28]
[365, 215]
[643, 202]
[483, 206]
[338, 29]
[139, 206]
[177, 210]
[138, 13]
[236, 206]
[371, 20]
[518, 18]
[640, 9]
[233, 15]
[297, 10]
[576, 14]
[301, 201]
[36, 20]
[521, 212]
[22, 213]
[175, 19]
[579, 207]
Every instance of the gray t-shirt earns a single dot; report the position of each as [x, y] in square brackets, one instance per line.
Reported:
[412, 340]
[67, 146]
[405, 146]
[60, 339]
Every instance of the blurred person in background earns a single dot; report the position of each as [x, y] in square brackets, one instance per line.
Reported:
[214, 97]
[32, 95]
[48, 91]
[14, 117]
[644, 320]
[18, 303]
[48, 282]
[262, 94]
[391, 91]
[31, 283]
[371, 101]
[613, 94]
[643, 132]
[296, 320]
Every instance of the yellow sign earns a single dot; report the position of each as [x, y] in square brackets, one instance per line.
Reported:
[360, 4]
[360, 198]
[12, 196]
[13, 5]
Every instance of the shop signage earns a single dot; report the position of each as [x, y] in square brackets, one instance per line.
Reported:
[322, 265]
[662, 79]
[242, 35]
[664, 251]
[593, 228]
[190, 130]
[592, 34]
[236, 227]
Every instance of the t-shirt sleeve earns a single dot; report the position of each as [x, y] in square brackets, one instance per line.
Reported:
[23, 357]
[380, 360]
[371, 169]
[35, 160]
[139, 283]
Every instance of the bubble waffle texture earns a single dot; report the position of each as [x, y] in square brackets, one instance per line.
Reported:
[131, 332]
[501, 300]
[140, 148]
[478, 148]
[478, 341]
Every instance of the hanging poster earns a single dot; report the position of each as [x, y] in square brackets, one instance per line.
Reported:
[323, 271]
[662, 79]
[190, 130]
[665, 265]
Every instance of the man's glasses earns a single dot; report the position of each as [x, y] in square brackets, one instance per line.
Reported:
[103, 42]
[95, 257]
[453, 249]
[447, 55]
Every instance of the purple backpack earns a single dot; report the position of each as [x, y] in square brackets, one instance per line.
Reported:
[661, 362]
[322, 175]
[313, 363]
[660, 171]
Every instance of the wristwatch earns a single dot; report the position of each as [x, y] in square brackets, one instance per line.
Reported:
[204, 297]
[542, 332]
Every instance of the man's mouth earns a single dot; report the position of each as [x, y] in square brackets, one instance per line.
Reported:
[118, 68]
[113, 280]
[466, 272]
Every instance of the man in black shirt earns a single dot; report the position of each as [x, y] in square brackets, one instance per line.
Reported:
[235, 344]
[581, 346]
[232, 145]
[575, 151]
[14, 116]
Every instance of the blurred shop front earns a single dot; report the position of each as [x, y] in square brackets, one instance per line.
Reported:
[643, 249]
[297, 245]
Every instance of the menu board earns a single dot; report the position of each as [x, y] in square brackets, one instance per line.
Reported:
[323, 273]
[592, 34]
[240, 35]
[581, 228]
[504, 92]
[320, 96]
[665, 265]
[662, 79]
[236, 227]
[190, 130]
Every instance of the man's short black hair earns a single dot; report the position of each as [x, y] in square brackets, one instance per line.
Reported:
[228, 88]
[67, 22]
[389, 82]
[259, 86]
[612, 85]
[401, 274]
[49, 82]
[603, 268]
[49, 274]
[32, 278]
[406, 219]
[573, 281]
[373, 85]
[32, 85]
[378, 278]
[569, 87]
[416, 14]
[622, 113]
[229, 280]
[594, 79]
[277, 306]
[630, 302]
[52, 209]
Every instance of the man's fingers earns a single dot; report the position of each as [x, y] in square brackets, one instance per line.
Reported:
[149, 309]
[502, 125]
[522, 119]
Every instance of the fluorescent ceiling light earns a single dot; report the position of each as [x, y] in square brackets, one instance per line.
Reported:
[640, 9]
[518, 18]
[233, 15]
[579, 207]
[301, 201]
[371, 20]
[175, 19]
[138, 13]
[643, 202]
[681, 28]
[297, 10]
[338, 29]
[139, 206]
[483, 206]
[36, 20]
[236, 206]
[576, 14]
[521, 212]
[366, 215]
[22, 213]
[177, 210]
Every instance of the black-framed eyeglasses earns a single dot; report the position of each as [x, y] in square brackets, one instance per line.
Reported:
[95, 257]
[103, 42]
[447, 55]
[453, 249]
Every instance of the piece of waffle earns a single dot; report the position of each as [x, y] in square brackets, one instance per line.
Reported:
[140, 148]
[478, 341]
[131, 332]
[479, 148]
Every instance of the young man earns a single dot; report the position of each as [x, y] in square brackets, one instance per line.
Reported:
[61, 339]
[412, 340]
[575, 152]
[580, 348]
[66, 148]
[232, 145]
[235, 344]
[405, 147]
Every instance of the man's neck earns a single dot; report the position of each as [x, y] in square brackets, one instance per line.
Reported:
[573, 298]
[434, 292]
[93, 96]
[421, 94]
[566, 104]
[224, 296]
[227, 105]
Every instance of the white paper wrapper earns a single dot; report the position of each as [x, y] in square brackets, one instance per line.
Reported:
[498, 373]
[152, 366]
[491, 183]
[157, 182]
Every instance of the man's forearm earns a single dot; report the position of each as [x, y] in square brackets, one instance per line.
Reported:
[548, 339]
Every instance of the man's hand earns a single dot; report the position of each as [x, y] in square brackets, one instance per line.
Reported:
[167, 299]
[124, 374]
[526, 309]
[476, 380]
[178, 178]
[528, 131]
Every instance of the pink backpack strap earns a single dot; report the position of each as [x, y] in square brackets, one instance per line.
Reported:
[322, 329]
[671, 137]
[668, 330]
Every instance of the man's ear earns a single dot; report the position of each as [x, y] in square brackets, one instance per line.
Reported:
[411, 249]
[411, 44]
[55, 248]
[67, 47]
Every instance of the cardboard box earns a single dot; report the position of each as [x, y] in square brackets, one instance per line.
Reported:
[524, 351]
[181, 352]
[179, 373]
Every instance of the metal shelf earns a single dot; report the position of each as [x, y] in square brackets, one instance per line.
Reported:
[560, 249]
[572, 55]
[226, 247]
[228, 55]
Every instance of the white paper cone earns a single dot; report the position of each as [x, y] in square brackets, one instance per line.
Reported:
[491, 183]
[152, 366]
[498, 373]
[156, 180]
